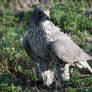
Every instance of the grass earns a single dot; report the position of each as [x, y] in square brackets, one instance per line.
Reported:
[17, 73]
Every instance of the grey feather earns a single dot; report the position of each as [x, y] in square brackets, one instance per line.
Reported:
[46, 72]
[66, 50]
[45, 43]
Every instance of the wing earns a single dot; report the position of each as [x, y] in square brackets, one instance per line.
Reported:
[66, 50]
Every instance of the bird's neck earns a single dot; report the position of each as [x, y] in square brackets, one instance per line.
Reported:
[48, 27]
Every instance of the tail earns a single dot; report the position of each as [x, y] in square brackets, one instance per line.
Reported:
[84, 65]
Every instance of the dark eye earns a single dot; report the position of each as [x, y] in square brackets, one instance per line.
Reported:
[40, 13]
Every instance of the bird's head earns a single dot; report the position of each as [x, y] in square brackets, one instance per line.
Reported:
[40, 15]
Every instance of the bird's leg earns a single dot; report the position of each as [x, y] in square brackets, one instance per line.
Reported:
[63, 74]
[46, 72]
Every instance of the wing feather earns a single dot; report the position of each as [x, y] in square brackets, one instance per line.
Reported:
[66, 50]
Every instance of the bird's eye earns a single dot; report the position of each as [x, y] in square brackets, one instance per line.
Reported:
[40, 13]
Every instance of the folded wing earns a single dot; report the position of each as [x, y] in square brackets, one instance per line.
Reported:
[66, 50]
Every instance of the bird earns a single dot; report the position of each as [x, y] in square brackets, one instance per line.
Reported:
[46, 44]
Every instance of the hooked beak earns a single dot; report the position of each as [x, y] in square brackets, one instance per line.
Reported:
[47, 15]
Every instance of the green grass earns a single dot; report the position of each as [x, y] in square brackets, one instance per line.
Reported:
[16, 69]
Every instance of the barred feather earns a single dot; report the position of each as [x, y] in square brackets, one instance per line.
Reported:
[46, 43]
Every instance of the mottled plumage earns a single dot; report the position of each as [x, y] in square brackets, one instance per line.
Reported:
[45, 43]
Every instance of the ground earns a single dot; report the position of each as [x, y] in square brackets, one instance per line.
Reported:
[17, 72]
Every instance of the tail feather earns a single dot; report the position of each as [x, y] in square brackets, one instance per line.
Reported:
[88, 67]
[84, 65]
